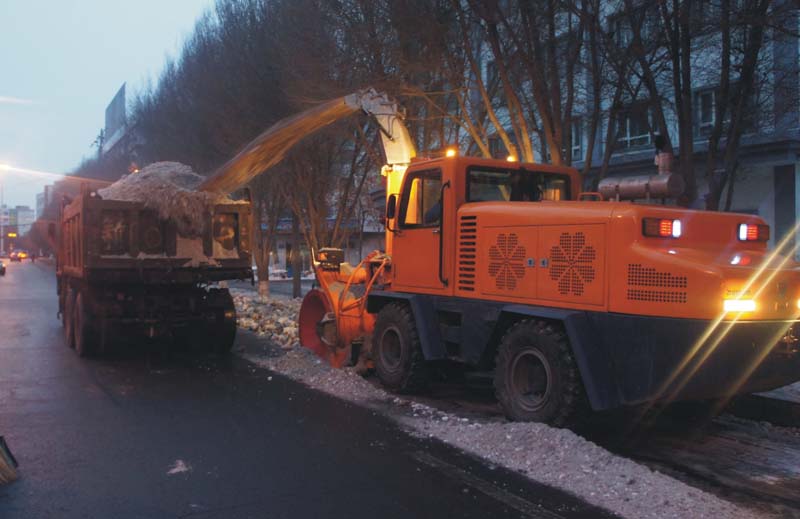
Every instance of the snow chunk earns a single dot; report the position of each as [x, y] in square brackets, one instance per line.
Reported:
[178, 467]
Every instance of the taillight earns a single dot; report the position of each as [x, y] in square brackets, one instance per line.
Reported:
[662, 228]
[753, 232]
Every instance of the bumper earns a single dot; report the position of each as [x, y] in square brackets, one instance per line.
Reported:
[631, 359]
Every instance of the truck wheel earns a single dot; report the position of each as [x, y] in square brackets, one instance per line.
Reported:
[536, 378]
[85, 338]
[396, 351]
[68, 318]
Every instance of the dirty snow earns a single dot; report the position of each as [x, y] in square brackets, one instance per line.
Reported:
[557, 457]
[170, 189]
[791, 393]
[179, 467]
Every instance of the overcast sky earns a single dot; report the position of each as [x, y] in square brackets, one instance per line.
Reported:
[61, 62]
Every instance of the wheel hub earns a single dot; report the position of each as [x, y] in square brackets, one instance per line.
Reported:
[531, 380]
[391, 348]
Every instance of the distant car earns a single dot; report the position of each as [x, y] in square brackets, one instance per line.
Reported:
[18, 255]
[2, 269]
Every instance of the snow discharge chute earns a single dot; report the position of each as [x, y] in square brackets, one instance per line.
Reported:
[270, 147]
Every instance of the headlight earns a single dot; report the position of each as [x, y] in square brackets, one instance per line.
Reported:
[225, 230]
[114, 229]
[739, 305]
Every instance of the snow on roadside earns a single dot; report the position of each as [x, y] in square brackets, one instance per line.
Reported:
[557, 457]
[791, 393]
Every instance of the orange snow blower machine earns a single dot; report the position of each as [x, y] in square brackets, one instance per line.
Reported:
[568, 298]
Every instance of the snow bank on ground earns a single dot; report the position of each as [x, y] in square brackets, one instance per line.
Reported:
[170, 189]
[791, 393]
[557, 457]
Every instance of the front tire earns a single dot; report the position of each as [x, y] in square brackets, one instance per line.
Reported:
[397, 351]
[536, 378]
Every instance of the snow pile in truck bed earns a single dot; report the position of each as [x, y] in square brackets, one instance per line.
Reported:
[170, 189]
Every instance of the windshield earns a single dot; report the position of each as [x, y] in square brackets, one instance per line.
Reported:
[515, 185]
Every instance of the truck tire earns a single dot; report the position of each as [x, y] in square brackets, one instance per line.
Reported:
[396, 351]
[536, 378]
[68, 318]
[85, 336]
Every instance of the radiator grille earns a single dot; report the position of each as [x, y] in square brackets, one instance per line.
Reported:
[467, 252]
[641, 276]
[507, 261]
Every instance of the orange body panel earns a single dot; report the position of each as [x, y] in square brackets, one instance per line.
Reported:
[589, 255]
[582, 255]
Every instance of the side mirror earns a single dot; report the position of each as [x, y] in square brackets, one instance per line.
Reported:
[391, 208]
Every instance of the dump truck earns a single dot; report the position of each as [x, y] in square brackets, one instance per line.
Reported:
[123, 270]
[571, 300]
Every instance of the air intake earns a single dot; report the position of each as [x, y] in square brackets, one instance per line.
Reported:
[467, 252]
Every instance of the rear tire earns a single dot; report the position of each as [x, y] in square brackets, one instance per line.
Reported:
[536, 378]
[397, 351]
[68, 318]
[85, 336]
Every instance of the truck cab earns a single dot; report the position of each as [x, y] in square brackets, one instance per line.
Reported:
[428, 254]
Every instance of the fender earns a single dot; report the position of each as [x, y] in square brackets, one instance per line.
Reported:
[424, 313]
[595, 366]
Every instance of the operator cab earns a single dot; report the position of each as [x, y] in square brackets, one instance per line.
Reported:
[422, 215]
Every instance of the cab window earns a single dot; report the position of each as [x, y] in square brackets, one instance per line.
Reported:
[420, 204]
[515, 185]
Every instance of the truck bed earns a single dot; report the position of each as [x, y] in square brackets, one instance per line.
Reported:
[124, 242]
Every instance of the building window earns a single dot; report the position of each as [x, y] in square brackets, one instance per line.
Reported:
[633, 126]
[577, 139]
[495, 145]
[705, 111]
[623, 34]
[491, 73]
[646, 17]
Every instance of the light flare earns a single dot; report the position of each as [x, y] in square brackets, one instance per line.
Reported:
[680, 369]
[763, 353]
[47, 174]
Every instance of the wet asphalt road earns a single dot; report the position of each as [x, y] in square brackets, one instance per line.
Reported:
[98, 438]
